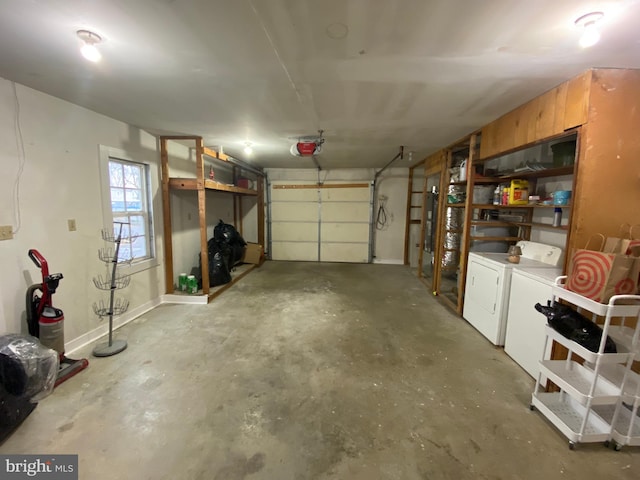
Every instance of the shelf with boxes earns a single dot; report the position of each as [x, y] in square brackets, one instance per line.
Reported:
[520, 188]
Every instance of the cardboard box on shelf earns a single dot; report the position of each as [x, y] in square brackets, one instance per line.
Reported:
[253, 254]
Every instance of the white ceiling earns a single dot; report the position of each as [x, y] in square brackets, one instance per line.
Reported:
[373, 74]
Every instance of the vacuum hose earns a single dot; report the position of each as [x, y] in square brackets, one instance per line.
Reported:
[32, 309]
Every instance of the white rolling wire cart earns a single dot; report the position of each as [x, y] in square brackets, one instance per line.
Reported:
[625, 419]
[592, 404]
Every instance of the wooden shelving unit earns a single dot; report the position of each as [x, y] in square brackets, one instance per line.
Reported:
[201, 185]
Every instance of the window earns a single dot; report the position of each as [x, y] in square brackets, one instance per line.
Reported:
[127, 207]
[130, 208]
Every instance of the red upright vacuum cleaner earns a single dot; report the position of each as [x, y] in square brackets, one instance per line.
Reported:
[47, 322]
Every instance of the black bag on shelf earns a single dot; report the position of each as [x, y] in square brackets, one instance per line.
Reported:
[219, 261]
[575, 326]
[218, 270]
[227, 235]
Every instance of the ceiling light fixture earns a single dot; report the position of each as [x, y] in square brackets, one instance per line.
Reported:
[247, 149]
[590, 35]
[89, 49]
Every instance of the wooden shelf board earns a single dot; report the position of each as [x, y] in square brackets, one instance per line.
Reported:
[415, 221]
[494, 223]
[242, 270]
[176, 183]
[528, 205]
[456, 205]
[543, 225]
[497, 239]
[549, 172]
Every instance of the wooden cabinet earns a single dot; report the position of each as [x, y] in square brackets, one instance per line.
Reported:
[600, 109]
[201, 185]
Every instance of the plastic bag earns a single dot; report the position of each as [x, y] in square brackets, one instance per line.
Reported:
[218, 270]
[27, 368]
[225, 233]
[576, 327]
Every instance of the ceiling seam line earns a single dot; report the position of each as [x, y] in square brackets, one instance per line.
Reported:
[275, 51]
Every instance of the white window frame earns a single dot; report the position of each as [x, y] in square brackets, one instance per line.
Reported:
[106, 154]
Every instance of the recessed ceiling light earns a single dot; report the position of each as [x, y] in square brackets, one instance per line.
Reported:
[591, 35]
[89, 49]
[247, 149]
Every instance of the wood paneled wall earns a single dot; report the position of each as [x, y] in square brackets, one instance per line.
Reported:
[608, 177]
[559, 109]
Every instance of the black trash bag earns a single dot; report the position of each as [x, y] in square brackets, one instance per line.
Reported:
[576, 327]
[225, 233]
[214, 247]
[217, 273]
[218, 270]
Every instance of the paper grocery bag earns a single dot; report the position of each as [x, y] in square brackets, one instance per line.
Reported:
[618, 244]
[633, 248]
[600, 275]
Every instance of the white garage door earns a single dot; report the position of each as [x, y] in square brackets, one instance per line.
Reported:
[326, 224]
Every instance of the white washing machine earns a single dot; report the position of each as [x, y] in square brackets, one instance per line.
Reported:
[524, 341]
[486, 296]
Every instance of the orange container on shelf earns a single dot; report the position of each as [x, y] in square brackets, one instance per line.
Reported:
[519, 192]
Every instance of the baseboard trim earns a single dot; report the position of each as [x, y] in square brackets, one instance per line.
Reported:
[185, 299]
[103, 329]
[388, 261]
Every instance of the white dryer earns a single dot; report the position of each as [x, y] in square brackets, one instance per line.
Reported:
[486, 298]
[525, 338]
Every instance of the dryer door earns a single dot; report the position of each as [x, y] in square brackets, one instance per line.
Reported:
[482, 286]
[484, 298]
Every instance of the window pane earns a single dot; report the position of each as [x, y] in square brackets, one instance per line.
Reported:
[117, 221]
[140, 237]
[124, 254]
[117, 200]
[115, 174]
[134, 200]
[132, 176]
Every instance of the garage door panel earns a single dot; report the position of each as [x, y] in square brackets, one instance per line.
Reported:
[301, 251]
[294, 232]
[294, 195]
[344, 252]
[345, 232]
[345, 212]
[342, 214]
[294, 211]
[345, 195]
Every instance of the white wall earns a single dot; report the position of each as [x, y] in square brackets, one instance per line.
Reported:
[389, 242]
[61, 181]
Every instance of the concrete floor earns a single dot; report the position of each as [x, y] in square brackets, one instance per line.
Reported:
[309, 371]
